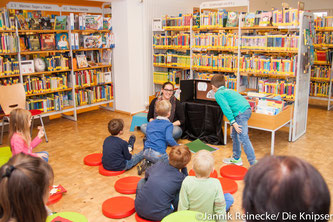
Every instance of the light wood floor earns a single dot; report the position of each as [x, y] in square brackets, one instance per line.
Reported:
[70, 142]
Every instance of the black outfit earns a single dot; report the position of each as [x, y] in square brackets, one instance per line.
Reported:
[179, 113]
[115, 153]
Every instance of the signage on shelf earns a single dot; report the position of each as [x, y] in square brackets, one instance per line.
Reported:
[224, 4]
[32, 6]
[72, 8]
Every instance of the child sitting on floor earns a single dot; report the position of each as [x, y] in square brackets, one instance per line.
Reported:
[159, 136]
[19, 134]
[202, 193]
[24, 189]
[116, 151]
[157, 194]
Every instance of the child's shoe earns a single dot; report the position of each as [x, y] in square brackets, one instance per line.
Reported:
[142, 166]
[131, 141]
[232, 160]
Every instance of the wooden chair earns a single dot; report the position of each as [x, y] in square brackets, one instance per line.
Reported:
[13, 97]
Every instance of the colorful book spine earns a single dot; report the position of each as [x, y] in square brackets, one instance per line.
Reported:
[323, 22]
[320, 72]
[52, 102]
[325, 38]
[96, 94]
[33, 85]
[270, 42]
[277, 87]
[319, 89]
[215, 40]
[8, 43]
[182, 21]
[8, 66]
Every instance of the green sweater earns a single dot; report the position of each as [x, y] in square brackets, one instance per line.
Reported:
[231, 103]
[204, 195]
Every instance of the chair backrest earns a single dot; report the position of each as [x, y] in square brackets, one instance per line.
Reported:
[12, 97]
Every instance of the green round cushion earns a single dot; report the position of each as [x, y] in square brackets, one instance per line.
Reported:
[75, 217]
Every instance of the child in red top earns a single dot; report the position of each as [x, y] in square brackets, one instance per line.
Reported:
[19, 134]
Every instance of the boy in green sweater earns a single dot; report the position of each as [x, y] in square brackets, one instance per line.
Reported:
[238, 111]
[202, 193]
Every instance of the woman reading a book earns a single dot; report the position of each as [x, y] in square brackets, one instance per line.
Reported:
[177, 116]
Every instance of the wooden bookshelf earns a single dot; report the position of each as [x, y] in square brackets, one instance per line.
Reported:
[324, 46]
[9, 76]
[48, 92]
[324, 29]
[45, 72]
[89, 49]
[41, 52]
[210, 69]
[321, 63]
[318, 79]
[173, 47]
[293, 51]
[90, 31]
[93, 67]
[214, 49]
[92, 85]
[41, 31]
[7, 31]
[8, 54]
[177, 28]
[269, 75]
[214, 28]
[171, 66]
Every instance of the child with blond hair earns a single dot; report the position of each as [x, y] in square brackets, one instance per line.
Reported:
[202, 193]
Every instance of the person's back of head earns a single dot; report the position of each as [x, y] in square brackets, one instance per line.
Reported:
[203, 163]
[179, 156]
[115, 126]
[280, 184]
[20, 122]
[163, 108]
[217, 80]
[24, 188]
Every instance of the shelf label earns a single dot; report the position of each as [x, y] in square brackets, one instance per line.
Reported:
[32, 6]
[224, 4]
[72, 8]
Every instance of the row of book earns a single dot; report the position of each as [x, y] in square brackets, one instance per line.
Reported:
[270, 42]
[286, 17]
[323, 56]
[175, 40]
[323, 22]
[7, 22]
[45, 42]
[8, 66]
[9, 81]
[215, 62]
[324, 38]
[320, 72]
[277, 87]
[215, 40]
[172, 59]
[184, 20]
[57, 62]
[8, 43]
[51, 102]
[91, 77]
[33, 85]
[169, 76]
[230, 80]
[96, 94]
[319, 88]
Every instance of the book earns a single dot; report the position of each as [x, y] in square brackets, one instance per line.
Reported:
[60, 23]
[57, 189]
[81, 61]
[265, 19]
[27, 66]
[107, 23]
[22, 22]
[62, 41]
[47, 42]
[94, 22]
[34, 42]
[232, 19]
[249, 19]
[34, 24]
[107, 55]
[92, 41]
[46, 23]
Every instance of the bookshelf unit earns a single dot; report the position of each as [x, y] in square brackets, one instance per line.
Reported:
[321, 71]
[59, 90]
[234, 51]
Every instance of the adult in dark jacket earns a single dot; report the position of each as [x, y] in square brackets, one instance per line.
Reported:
[177, 116]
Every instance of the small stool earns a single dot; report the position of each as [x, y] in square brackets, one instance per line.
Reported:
[184, 216]
[72, 216]
[233, 172]
[105, 172]
[138, 120]
[213, 174]
[139, 219]
[5, 155]
[228, 185]
[118, 207]
[54, 199]
[127, 185]
[94, 159]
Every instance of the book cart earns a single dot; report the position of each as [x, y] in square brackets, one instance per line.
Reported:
[67, 88]
[321, 72]
[233, 53]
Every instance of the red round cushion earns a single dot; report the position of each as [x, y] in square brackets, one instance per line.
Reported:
[35, 112]
[228, 185]
[118, 207]
[139, 219]
[108, 172]
[127, 185]
[54, 199]
[94, 159]
[233, 172]
[213, 174]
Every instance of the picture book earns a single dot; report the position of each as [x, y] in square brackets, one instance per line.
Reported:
[81, 61]
[62, 41]
[232, 19]
[92, 41]
[265, 19]
[249, 19]
[47, 42]
[46, 23]
[197, 145]
[60, 23]
[107, 77]
[34, 24]
[107, 55]
[33, 42]
[107, 23]
[23, 43]
[57, 189]
[94, 22]
[22, 22]
[257, 17]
